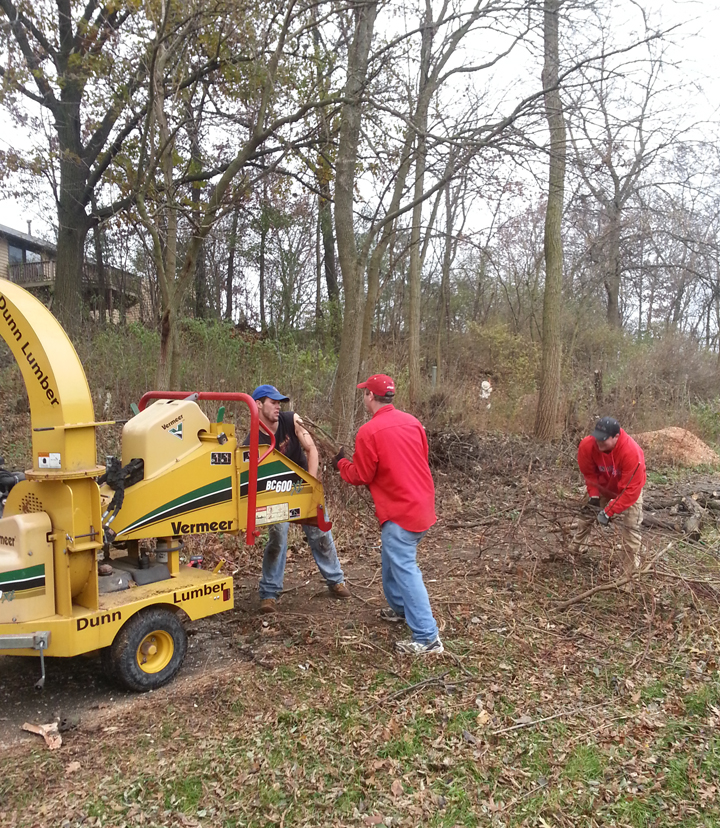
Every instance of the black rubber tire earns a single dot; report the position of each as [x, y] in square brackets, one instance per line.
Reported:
[107, 665]
[148, 651]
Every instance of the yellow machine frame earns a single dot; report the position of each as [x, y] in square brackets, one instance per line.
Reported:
[56, 521]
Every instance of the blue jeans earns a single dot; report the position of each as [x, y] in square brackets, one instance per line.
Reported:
[403, 582]
[273, 569]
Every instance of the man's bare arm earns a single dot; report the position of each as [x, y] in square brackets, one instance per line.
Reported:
[308, 444]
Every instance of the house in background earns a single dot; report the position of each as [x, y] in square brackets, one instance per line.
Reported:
[30, 262]
[25, 259]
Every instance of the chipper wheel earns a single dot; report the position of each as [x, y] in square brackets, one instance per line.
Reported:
[148, 651]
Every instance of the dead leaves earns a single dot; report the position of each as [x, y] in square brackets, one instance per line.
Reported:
[337, 732]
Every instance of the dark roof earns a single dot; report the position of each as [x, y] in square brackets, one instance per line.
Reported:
[33, 242]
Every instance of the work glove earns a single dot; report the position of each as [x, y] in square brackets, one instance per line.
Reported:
[603, 518]
[592, 506]
[338, 457]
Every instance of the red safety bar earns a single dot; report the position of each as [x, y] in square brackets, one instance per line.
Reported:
[234, 396]
[322, 522]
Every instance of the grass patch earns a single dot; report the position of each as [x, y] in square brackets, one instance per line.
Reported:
[563, 721]
[584, 764]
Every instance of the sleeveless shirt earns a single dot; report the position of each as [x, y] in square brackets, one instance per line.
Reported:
[286, 440]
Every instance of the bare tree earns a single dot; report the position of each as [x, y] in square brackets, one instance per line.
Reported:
[546, 414]
[619, 125]
[160, 182]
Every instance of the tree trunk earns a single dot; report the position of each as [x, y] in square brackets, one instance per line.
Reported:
[263, 245]
[443, 317]
[547, 410]
[202, 294]
[415, 269]
[201, 287]
[261, 271]
[72, 231]
[373, 289]
[232, 244]
[328, 241]
[169, 361]
[613, 269]
[386, 241]
[414, 283]
[318, 272]
[323, 175]
[344, 391]
[103, 288]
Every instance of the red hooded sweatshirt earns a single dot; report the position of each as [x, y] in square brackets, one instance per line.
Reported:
[618, 474]
[391, 459]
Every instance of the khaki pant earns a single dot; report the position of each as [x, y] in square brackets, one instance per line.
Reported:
[629, 521]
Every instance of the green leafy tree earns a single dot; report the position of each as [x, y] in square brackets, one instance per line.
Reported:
[68, 59]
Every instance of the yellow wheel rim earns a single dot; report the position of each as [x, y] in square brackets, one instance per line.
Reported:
[155, 651]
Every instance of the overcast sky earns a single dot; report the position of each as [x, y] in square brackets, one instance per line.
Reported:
[696, 49]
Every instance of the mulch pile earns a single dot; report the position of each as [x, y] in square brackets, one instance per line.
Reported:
[676, 447]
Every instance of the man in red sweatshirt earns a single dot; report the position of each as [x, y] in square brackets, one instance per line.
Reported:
[391, 459]
[613, 466]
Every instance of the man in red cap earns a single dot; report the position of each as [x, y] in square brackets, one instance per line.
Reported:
[391, 459]
[613, 466]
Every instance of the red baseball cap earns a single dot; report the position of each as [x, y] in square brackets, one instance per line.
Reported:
[380, 384]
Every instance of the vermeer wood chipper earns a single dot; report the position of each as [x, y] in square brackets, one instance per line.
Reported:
[72, 519]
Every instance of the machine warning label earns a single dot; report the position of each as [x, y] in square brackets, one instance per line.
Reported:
[50, 460]
[275, 513]
[294, 513]
[220, 458]
[246, 457]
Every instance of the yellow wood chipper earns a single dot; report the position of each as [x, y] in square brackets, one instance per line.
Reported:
[77, 573]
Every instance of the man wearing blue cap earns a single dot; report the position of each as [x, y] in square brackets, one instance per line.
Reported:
[293, 440]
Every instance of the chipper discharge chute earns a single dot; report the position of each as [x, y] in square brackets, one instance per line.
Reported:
[179, 475]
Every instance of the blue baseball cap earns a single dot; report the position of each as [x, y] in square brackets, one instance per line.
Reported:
[268, 391]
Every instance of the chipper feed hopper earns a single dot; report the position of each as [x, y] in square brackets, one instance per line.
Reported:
[72, 519]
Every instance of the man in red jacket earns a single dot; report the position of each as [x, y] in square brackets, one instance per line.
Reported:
[391, 459]
[613, 466]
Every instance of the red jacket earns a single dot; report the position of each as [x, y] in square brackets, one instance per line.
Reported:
[391, 458]
[607, 474]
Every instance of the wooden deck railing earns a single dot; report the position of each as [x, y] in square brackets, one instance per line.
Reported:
[32, 273]
[38, 274]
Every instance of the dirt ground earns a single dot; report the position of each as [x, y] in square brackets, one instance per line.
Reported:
[77, 693]
[506, 507]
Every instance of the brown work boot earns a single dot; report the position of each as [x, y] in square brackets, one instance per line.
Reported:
[339, 591]
[267, 605]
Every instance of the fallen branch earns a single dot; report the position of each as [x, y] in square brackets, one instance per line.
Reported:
[548, 718]
[638, 661]
[294, 589]
[613, 584]
[324, 439]
[483, 522]
[486, 521]
[411, 688]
